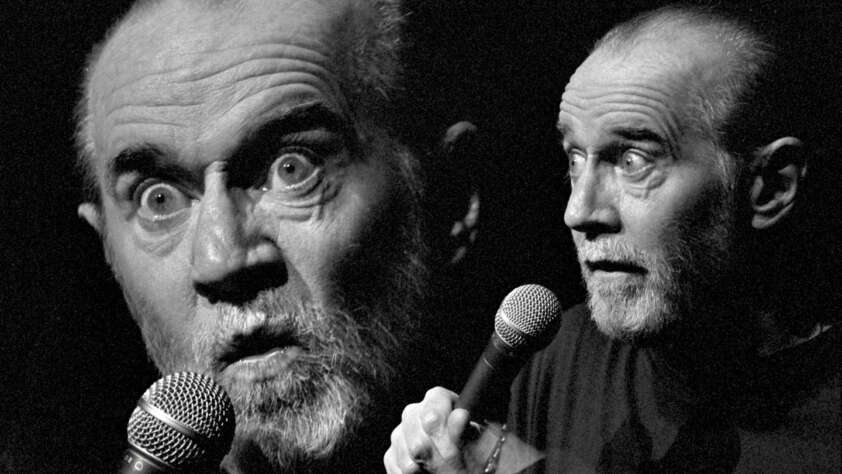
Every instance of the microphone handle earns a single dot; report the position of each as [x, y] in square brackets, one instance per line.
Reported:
[135, 461]
[486, 393]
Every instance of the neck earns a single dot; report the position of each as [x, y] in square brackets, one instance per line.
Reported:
[711, 347]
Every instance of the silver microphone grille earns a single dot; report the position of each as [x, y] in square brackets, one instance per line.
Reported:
[529, 316]
[185, 420]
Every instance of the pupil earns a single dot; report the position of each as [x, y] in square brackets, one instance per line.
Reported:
[160, 198]
[289, 168]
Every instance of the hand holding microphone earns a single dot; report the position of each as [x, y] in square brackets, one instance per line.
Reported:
[429, 438]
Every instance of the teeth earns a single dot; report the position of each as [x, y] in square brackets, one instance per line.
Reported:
[272, 353]
[245, 321]
[266, 356]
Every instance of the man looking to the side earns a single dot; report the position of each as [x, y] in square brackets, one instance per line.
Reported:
[260, 205]
[678, 163]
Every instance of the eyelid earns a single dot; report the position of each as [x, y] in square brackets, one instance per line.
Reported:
[148, 219]
[142, 183]
[648, 159]
[317, 161]
[572, 155]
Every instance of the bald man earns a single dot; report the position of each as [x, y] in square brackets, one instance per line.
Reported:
[260, 206]
[678, 161]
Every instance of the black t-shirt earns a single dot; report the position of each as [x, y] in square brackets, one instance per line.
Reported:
[594, 404]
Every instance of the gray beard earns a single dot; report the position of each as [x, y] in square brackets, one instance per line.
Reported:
[302, 420]
[679, 276]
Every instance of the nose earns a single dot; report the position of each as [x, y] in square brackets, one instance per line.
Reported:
[234, 255]
[592, 208]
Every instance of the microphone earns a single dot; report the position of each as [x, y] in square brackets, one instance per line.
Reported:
[183, 422]
[528, 319]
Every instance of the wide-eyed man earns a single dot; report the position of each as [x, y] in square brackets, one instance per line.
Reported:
[682, 154]
[261, 207]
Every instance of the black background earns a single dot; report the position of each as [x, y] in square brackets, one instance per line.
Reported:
[73, 362]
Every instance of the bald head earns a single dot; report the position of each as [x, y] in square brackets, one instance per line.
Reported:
[361, 41]
[721, 62]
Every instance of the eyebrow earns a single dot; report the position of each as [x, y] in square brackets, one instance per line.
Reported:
[639, 135]
[144, 158]
[298, 119]
[260, 146]
[148, 158]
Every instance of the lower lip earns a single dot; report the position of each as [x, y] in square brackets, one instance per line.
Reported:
[263, 366]
[614, 274]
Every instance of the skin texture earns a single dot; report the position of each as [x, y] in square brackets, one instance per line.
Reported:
[650, 214]
[259, 234]
[437, 429]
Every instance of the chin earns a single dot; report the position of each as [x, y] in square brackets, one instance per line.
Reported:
[274, 435]
[632, 313]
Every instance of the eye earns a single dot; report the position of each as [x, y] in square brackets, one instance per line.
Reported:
[160, 200]
[633, 162]
[575, 164]
[294, 169]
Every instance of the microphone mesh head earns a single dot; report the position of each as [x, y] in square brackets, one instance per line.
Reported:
[194, 400]
[528, 318]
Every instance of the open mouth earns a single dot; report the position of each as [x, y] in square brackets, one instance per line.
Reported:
[257, 345]
[609, 266]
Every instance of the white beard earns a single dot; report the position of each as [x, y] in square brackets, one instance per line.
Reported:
[300, 420]
[677, 275]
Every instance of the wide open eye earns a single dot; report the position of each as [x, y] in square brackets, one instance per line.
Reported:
[634, 163]
[293, 170]
[160, 200]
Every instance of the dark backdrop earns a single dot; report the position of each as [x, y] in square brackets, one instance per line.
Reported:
[74, 364]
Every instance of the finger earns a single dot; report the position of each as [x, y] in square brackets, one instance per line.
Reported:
[389, 461]
[410, 411]
[411, 448]
[437, 404]
[457, 422]
[437, 410]
[396, 466]
[409, 438]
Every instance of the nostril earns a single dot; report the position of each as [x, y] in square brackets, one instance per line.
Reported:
[244, 284]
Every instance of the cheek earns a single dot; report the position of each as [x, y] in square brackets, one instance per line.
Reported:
[156, 288]
[321, 248]
[668, 216]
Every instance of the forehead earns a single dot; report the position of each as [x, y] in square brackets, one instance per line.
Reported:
[649, 87]
[175, 35]
[183, 69]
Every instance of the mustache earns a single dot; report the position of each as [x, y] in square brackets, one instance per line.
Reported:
[614, 251]
[274, 319]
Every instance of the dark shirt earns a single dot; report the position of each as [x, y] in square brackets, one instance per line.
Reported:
[594, 404]
[790, 420]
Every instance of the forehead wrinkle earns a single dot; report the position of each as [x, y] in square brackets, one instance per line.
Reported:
[272, 103]
[601, 100]
[243, 83]
[179, 52]
[229, 68]
[257, 75]
[245, 56]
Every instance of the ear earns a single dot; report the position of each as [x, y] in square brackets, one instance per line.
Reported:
[779, 172]
[461, 152]
[91, 213]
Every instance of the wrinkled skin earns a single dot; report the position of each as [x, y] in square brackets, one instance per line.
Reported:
[650, 212]
[259, 234]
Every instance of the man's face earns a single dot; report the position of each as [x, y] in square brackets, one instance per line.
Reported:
[650, 210]
[250, 223]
